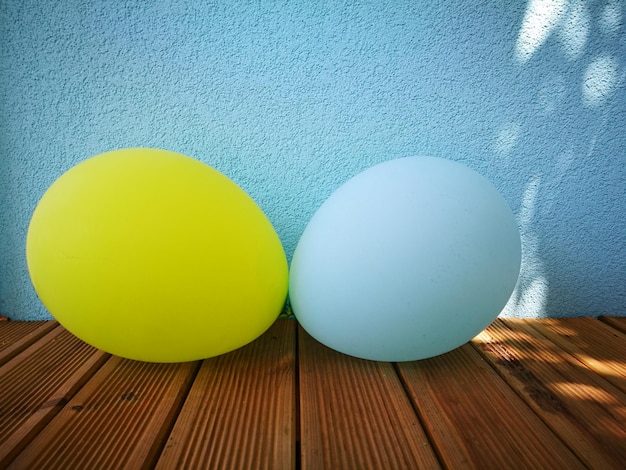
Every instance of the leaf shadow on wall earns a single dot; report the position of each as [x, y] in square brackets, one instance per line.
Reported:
[570, 24]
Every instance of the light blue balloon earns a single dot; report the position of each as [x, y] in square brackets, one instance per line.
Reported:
[407, 260]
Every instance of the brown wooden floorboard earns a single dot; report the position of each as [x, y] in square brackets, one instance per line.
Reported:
[118, 420]
[37, 383]
[17, 336]
[585, 410]
[595, 344]
[355, 414]
[476, 420]
[541, 393]
[618, 323]
[241, 400]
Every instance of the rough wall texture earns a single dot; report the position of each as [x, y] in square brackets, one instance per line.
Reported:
[290, 99]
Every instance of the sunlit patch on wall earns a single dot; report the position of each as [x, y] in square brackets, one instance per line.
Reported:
[530, 296]
[540, 19]
[599, 81]
[564, 162]
[506, 139]
[528, 299]
[611, 18]
[551, 94]
[574, 30]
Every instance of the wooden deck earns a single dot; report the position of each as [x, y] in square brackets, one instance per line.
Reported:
[536, 394]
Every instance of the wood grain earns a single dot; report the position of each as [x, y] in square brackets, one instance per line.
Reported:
[536, 393]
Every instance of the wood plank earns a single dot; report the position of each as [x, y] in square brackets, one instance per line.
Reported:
[36, 384]
[240, 412]
[474, 418]
[586, 411]
[63, 405]
[15, 336]
[595, 344]
[119, 419]
[355, 414]
[619, 323]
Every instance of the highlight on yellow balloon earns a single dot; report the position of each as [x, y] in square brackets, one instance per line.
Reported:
[152, 255]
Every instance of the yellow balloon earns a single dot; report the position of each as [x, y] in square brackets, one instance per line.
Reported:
[152, 255]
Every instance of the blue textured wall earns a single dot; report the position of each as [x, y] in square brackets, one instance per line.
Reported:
[290, 99]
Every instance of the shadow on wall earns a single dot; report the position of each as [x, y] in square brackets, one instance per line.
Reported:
[570, 23]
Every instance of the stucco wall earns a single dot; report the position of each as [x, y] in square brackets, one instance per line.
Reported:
[290, 99]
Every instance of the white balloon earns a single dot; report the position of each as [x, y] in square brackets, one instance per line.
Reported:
[407, 260]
